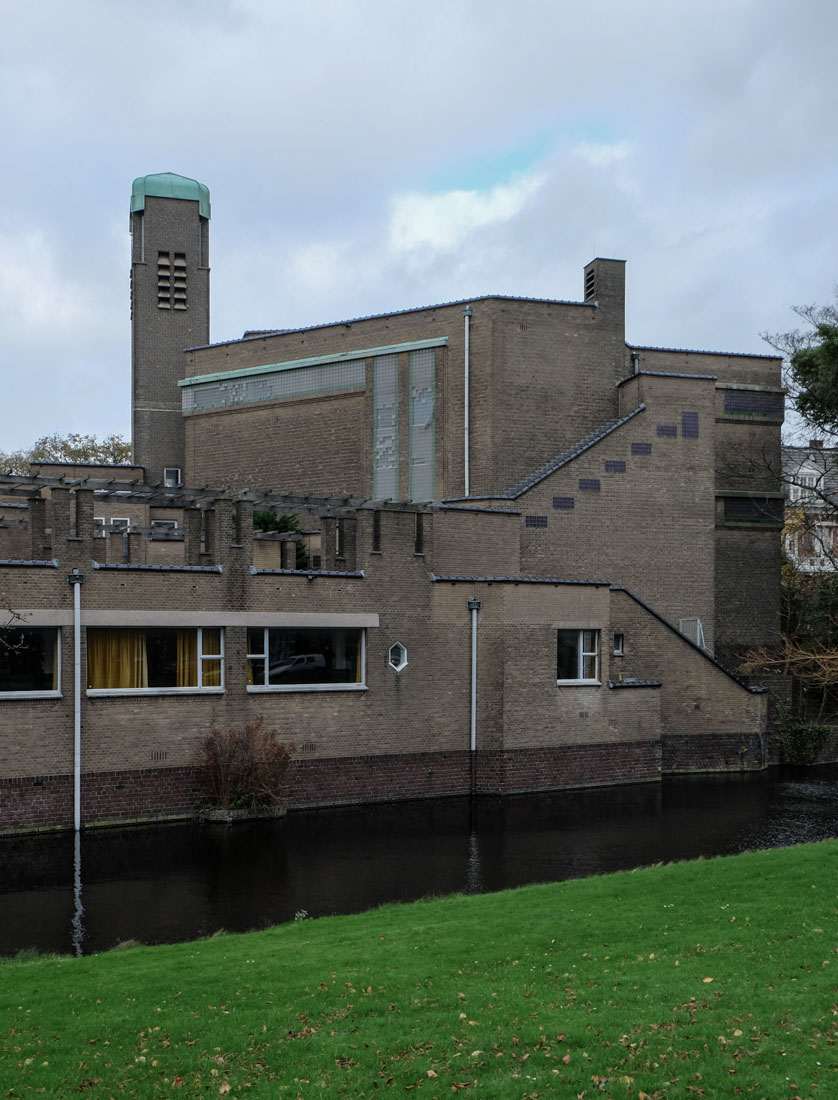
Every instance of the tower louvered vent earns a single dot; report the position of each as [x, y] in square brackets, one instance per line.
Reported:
[590, 285]
[164, 281]
[171, 280]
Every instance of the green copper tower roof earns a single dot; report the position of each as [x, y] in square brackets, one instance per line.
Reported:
[169, 185]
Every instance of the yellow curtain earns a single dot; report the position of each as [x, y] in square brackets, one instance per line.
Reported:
[210, 647]
[187, 658]
[116, 659]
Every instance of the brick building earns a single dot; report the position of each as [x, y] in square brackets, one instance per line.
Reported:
[532, 549]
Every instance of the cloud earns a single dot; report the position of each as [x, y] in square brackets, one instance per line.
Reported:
[602, 153]
[444, 221]
[364, 157]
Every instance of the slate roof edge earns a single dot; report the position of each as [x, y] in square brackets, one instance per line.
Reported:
[354, 574]
[437, 578]
[457, 507]
[703, 652]
[145, 567]
[261, 334]
[667, 374]
[634, 683]
[568, 456]
[52, 563]
[704, 351]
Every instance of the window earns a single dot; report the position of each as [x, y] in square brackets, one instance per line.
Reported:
[753, 510]
[577, 657]
[619, 645]
[385, 447]
[155, 659]
[422, 374]
[163, 526]
[171, 476]
[102, 525]
[692, 629]
[303, 659]
[397, 656]
[805, 487]
[30, 660]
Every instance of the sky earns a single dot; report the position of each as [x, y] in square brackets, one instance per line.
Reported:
[365, 156]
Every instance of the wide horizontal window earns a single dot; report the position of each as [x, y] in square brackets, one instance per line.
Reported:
[288, 657]
[577, 656]
[147, 659]
[29, 659]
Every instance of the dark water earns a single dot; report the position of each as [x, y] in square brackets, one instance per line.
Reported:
[167, 883]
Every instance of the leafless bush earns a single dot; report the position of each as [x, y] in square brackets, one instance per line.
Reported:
[246, 767]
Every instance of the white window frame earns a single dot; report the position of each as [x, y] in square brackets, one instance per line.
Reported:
[50, 693]
[805, 489]
[401, 650]
[164, 525]
[619, 649]
[266, 688]
[198, 689]
[581, 654]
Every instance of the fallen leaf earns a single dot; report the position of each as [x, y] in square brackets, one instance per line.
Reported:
[705, 980]
[566, 1058]
[178, 1082]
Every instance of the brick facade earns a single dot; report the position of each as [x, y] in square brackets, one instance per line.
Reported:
[613, 490]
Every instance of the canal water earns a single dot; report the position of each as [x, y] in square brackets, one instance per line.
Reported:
[166, 883]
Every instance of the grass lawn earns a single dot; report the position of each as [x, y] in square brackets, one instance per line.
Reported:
[714, 978]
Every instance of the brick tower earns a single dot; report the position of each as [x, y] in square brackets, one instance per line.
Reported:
[169, 312]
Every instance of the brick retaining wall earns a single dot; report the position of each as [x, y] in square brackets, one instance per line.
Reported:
[39, 802]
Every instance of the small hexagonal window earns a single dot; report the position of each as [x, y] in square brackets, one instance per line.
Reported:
[397, 657]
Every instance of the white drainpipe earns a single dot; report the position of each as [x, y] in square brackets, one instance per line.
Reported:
[473, 606]
[76, 579]
[467, 313]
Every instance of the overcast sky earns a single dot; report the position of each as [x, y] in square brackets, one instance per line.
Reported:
[371, 155]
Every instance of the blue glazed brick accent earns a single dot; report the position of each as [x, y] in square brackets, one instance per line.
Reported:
[769, 406]
[668, 431]
[589, 484]
[641, 448]
[614, 467]
[689, 425]
[753, 510]
[535, 521]
[563, 502]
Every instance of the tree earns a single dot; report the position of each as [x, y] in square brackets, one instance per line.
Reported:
[811, 373]
[111, 450]
[269, 521]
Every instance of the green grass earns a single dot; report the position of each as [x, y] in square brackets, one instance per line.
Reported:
[715, 978]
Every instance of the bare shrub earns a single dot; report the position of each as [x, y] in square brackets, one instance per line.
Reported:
[246, 767]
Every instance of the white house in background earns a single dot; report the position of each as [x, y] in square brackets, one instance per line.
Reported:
[810, 477]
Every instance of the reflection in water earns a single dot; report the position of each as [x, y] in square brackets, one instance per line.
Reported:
[167, 883]
[474, 875]
[77, 923]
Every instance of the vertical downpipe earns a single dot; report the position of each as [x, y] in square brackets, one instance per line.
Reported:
[76, 580]
[467, 314]
[473, 606]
